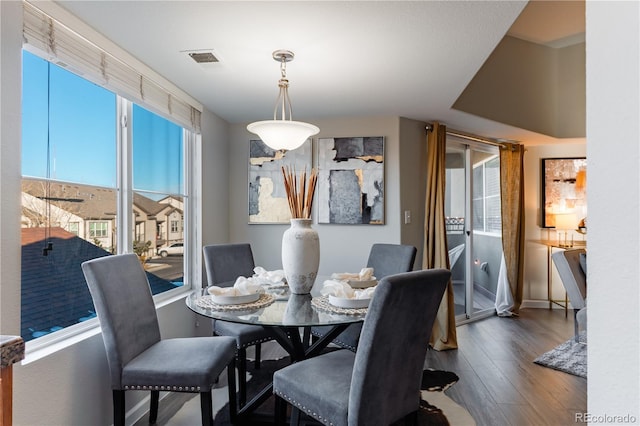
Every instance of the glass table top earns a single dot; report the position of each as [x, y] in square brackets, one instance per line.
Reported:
[278, 309]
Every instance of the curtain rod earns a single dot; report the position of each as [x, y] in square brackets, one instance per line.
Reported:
[475, 138]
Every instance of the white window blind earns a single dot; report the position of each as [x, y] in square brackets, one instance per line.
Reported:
[67, 49]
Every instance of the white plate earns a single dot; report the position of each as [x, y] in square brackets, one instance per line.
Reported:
[362, 283]
[343, 302]
[234, 300]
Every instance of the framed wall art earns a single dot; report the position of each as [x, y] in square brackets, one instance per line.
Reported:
[563, 188]
[351, 180]
[267, 197]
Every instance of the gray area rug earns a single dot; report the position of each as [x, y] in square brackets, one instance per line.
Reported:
[569, 357]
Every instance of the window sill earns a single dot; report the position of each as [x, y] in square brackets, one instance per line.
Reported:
[50, 344]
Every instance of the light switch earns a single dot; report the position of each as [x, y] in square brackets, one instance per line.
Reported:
[407, 217]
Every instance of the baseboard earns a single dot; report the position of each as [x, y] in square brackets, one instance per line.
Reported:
[483, 291]
[541, 304]
[141, 409]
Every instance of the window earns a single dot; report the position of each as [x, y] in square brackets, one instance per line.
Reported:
[73, 227]
[71, 193]
[487, 216]
[98, 229]
[158, 176]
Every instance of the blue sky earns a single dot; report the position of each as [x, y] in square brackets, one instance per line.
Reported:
[82, 133]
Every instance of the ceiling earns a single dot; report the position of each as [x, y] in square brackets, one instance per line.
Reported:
[353, 58]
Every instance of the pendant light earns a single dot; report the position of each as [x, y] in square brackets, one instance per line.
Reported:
[283, 133]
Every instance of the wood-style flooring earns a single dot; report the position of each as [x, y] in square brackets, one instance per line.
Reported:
[499, 383]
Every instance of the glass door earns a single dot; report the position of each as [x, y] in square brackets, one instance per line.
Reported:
[473, 222]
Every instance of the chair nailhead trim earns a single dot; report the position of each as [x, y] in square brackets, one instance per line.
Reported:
[305, 409]
[265, 339]
[338, 342]
[163, 388]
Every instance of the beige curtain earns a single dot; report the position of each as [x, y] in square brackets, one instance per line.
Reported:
[435, 253]
[512, 194]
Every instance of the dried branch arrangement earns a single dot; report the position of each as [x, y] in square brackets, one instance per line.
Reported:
[299, 191]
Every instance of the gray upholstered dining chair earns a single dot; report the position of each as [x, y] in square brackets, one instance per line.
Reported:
[372, 386]
[138, 358]
[224, 263]
[385, 259]
[569, 264]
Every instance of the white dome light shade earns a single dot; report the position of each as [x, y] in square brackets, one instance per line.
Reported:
[283, 134]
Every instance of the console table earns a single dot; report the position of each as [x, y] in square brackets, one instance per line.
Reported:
[551, 244]
[11, 351]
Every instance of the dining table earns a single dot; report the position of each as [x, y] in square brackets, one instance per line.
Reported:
[288, 317]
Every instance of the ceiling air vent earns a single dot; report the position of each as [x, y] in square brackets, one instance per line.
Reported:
[203, 57]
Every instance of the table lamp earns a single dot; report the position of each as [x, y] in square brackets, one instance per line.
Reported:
[565, 224]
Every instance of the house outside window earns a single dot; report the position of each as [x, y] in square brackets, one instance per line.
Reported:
[175, 226]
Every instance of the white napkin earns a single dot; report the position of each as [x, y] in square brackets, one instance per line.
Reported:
[365, 293]
[268, 278]
[241, 287]
[365, 274]
[339, 288]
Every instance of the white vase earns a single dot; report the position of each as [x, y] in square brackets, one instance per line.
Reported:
[299, 310]
[300, 256]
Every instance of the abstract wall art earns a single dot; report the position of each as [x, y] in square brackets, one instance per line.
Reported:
[563, 188]
[267, 197]
[351, 180]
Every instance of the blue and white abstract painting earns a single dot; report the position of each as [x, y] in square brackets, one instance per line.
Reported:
[350, 186]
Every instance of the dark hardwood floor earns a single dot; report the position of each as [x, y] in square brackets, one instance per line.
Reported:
[499, 383]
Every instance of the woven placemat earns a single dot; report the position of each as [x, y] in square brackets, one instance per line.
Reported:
[322, 303]
[264, 300]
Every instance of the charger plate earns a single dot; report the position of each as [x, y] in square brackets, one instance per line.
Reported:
[322, 303]
[208, 303]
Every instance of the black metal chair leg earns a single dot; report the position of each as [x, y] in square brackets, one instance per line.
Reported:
[231, 383]
[280, 411]
[206, 408]
[307, 337]
[258, 350]
[118, 407]
[295, 416]
[242, 377]
[153, 410]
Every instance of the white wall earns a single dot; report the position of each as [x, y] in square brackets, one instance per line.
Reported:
[413, 183]
[10, 128]
[613, 182]
[342, 247]
[535, 263]
[215, 178]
